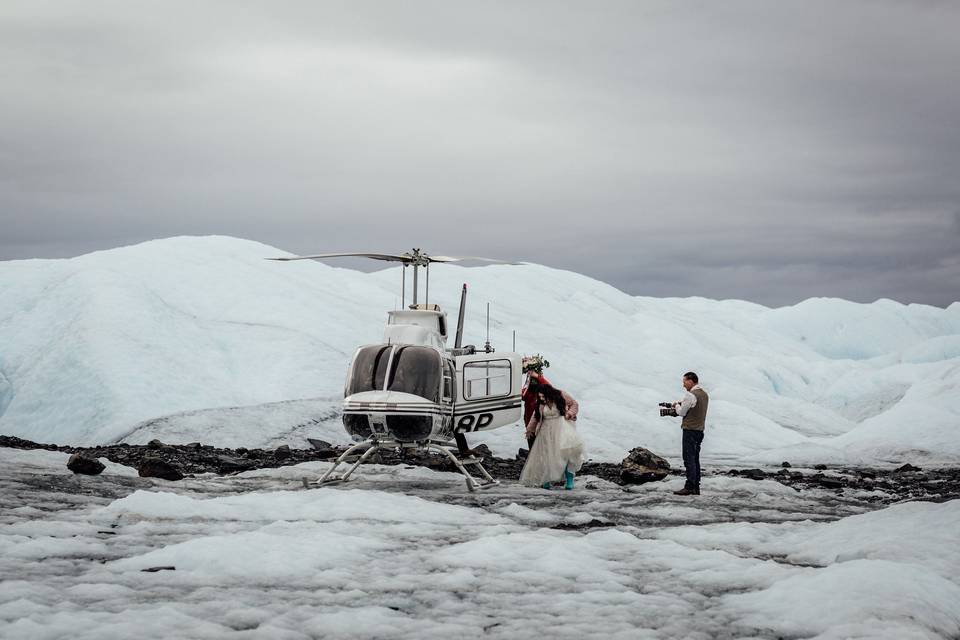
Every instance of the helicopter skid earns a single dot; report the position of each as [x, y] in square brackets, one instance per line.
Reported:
[350, 455]
[461, 464]
[308, 483]
[373, 445]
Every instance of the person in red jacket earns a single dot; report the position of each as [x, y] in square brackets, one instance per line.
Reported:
[529, 393]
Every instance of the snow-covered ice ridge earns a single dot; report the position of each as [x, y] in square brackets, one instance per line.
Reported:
[250, 558]
[94, 346]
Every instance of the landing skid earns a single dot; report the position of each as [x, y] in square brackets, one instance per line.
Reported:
[369, 447]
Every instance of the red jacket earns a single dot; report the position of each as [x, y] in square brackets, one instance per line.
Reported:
[530, 399]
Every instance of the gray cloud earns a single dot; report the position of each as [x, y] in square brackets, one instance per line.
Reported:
[767, 152]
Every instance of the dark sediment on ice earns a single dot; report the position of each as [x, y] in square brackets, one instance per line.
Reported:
[886, 485]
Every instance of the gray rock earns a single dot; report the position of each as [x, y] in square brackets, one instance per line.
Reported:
[522, 454]
[154, 467]
[820, 467]
[906, 468]
[642, 465]
[785, 464]
[481, 451]
[322, 445]
[829, 483]
[753, 474]
[156, 445]
[79, 463]
[229, 464]
[282, 452]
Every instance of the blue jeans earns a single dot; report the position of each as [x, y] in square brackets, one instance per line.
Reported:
[691, 456]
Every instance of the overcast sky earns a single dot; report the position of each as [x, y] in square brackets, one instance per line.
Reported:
[770, 151]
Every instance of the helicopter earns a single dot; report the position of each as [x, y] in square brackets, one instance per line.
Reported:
[413, 392]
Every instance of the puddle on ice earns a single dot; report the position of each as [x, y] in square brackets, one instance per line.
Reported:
[408, 553]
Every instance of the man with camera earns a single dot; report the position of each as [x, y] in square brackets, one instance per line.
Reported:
[693, 409]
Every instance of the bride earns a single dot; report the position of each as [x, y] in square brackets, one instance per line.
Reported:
[557, 451]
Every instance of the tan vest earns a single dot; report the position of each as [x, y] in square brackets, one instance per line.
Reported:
[696, 418]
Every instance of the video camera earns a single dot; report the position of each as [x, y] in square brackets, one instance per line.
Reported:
[668, 410]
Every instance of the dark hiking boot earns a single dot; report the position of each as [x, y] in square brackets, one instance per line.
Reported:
[688, 491]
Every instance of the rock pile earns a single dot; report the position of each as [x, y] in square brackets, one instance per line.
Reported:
[887, 485]
[173, 462]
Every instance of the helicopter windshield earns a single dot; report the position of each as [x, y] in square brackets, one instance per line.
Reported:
[416, 370]
[369, 369]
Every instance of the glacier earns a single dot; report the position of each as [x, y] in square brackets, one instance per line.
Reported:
[201, 338]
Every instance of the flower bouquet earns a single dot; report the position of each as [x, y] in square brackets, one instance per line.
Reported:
[535, 364]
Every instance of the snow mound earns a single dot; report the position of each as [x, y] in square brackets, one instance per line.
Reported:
[144, 341]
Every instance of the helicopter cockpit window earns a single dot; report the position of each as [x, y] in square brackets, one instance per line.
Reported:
[416, 370]
[369, 369]
[487, 379]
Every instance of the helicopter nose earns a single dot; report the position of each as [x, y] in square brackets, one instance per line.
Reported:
[410, 428]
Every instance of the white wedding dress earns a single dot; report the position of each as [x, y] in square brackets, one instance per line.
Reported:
[558, 448]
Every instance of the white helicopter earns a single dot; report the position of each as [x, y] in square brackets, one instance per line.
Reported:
[413, 392]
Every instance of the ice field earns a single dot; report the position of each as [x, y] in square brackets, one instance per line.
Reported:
[201, 339]
[196, 338]
[401, 555]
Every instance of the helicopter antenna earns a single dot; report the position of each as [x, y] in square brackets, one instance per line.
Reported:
[403, 287]
[463, 306]
[514, 340]
[416, 285]
[487, 345]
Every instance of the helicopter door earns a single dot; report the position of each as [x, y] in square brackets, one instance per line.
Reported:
[487, 391]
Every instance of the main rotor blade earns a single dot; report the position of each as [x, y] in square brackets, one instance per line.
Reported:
[392, 257]
[462, 258]
[387, 257]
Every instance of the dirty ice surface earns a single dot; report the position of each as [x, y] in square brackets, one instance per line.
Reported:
[154, 340]
[407, 553]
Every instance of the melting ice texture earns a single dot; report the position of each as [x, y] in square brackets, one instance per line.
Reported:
[187, 338]
[253, 559]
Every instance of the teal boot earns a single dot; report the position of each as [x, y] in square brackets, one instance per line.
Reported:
[547, 485]
[568, 476]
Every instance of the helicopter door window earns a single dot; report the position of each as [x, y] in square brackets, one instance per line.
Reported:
[448, 378]
[487, 379]
[369, 369]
